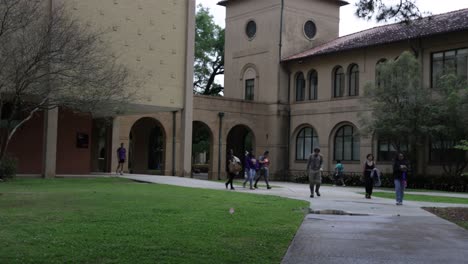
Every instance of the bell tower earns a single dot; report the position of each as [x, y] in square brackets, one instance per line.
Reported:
[259, 33]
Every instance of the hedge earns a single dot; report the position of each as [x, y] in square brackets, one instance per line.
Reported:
[437, 182]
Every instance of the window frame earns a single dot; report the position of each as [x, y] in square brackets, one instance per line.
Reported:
[342, 82]
[355, 140]
[300, 91]
[313, 86]
[354, 85]
[389, 145]
[313, 138]
[249, 93]
[443, 60]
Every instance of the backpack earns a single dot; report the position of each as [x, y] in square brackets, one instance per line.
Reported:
[234, 165]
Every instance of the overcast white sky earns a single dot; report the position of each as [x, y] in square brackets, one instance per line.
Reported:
[349, 23]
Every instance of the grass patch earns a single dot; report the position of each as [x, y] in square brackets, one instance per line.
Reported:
[423, 198]
[116, 220]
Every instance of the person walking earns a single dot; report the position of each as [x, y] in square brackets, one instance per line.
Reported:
[234, 166]
[314, 170]
[121, 156]
[251, 165]
[400, 174]
[264, 162]
[339, 168]
[369, 166]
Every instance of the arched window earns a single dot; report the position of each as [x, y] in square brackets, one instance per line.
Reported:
[353, 80]
[306, 141]
[338, 82]
[346, 144]
[378, 81]
[313, 85]
[300, 87]
[250, 80]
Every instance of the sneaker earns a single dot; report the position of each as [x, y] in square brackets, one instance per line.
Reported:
[318, 193]
[334, 185]
[232, 188]
[311, 196]
[252, 188]
[268, 187]
[398, 203]
[255, 186]
[121, 173]
[344, 185]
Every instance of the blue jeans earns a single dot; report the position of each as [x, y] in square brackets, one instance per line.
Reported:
[399, 190]
[250, 177]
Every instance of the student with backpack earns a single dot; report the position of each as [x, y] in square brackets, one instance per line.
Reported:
[339, 168]
[233, 167]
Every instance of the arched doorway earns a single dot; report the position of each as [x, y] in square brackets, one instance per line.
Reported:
[240, 139]
[202, 142]
[147, 147]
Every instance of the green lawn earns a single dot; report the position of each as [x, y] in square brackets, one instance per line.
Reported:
[423, 198]
[119, 221]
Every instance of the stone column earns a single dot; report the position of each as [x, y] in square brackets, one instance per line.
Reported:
[115, 143]
[50, 143]
[187, 112]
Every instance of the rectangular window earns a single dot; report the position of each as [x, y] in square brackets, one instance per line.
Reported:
[449, 62]
[387, 152]
[445, 151]
[249, 89]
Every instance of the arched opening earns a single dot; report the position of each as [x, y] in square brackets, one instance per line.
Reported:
[202, 142]
[147, 147]
[240, 139]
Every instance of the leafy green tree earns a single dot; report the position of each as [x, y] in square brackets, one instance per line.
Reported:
[463, 145]
[381, 10]
[209, 54]
[450, 124]
[403, 111]
[401, 107]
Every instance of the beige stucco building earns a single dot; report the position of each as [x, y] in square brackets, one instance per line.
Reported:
[291, 84]
[155, 40]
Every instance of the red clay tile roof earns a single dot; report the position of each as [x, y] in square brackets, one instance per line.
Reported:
[224, 2]
[438, 24]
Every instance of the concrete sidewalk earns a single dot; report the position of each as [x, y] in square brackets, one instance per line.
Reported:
[377, 232]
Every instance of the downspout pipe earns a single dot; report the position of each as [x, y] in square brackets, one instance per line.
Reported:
[174, 132]
[221, 115]
[280, 47]
[288, 146]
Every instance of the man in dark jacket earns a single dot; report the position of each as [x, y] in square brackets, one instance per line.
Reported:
[400, 174]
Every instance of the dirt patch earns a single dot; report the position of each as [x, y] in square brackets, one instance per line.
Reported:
[456, 215]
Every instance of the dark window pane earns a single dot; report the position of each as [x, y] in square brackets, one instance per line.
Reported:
[300, 87]
[251, 29]
[313, 85]
[249, 89]
[310, 29]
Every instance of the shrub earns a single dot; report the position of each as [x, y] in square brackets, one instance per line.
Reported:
[8, 168]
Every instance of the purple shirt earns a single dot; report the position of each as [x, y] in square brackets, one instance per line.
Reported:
[122, 153]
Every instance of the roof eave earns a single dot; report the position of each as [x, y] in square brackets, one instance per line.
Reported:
[340, 2]
[222, 3]
[372, 45]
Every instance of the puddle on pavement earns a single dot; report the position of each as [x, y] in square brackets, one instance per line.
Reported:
[334, 212]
